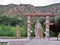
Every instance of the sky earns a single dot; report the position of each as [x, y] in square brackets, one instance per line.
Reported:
[33, 2]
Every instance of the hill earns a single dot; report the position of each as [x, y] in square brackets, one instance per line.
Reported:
[17, 10]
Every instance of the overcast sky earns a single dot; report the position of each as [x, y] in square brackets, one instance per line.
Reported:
[33, 2]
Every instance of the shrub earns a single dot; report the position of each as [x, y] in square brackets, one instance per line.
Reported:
[7, 31]
[23, 32]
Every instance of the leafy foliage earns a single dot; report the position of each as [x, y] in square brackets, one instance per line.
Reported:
[7, 30]
[7, 20]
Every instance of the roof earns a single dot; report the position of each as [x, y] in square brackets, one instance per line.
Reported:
[38, 14]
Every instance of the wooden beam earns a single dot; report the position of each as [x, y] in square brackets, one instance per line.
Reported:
[48, 23]
[38, 14]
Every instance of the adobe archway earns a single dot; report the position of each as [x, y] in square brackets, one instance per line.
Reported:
[47, 23]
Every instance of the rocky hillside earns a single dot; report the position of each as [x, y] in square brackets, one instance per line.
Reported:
[17, 10]
[54, 8]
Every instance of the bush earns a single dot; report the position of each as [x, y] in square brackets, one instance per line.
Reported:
[8, 20]
[52, 34]
[23, 32]
[7, 31]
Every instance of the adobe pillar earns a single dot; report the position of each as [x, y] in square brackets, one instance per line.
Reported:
[18, 32]
[29, 27]
[47, 27]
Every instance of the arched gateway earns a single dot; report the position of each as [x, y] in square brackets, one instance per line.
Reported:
[47, 23]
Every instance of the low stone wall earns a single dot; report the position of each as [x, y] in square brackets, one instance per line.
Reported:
[29, 42]
[35, 42]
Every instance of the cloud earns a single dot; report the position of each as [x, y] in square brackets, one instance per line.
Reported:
[33, 2]
[37, 2]
[9, 1]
